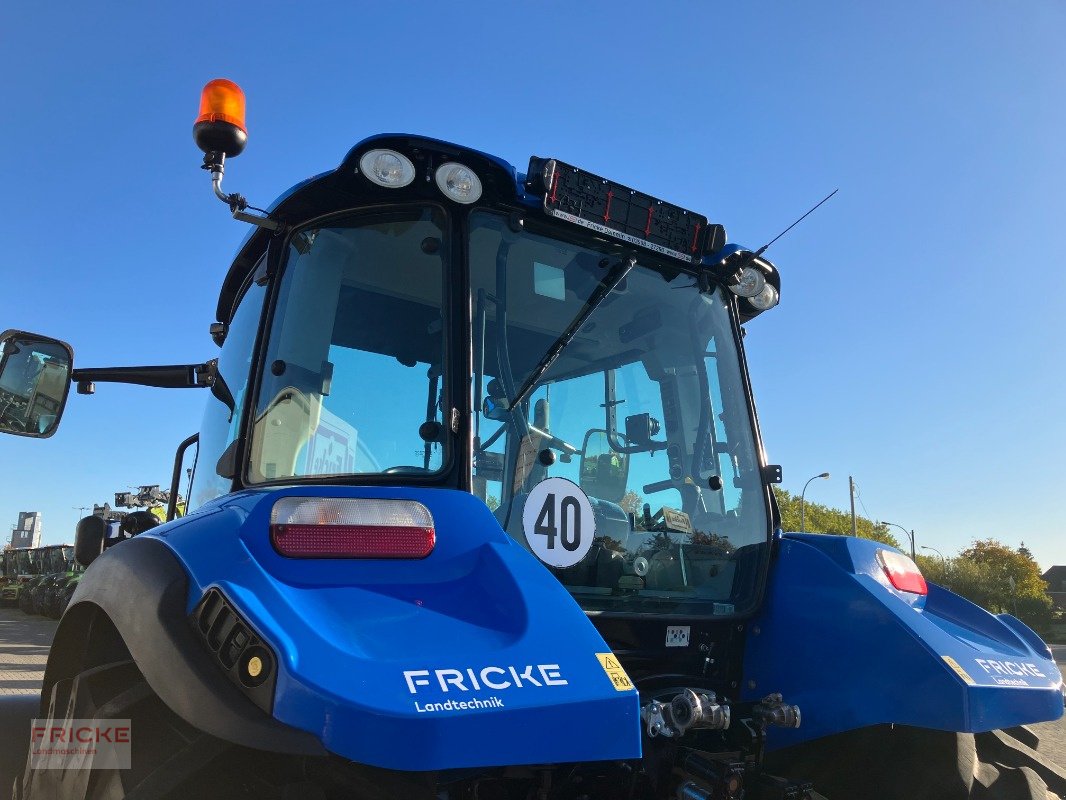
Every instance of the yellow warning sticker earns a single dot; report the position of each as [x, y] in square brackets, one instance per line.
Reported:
[611, 665]
[958, 670]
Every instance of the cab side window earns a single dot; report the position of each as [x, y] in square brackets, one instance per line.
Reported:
[215, 462]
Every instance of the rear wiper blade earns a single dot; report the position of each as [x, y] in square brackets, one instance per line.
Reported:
[605, 287]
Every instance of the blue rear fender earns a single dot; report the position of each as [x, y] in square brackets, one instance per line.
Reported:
[474, 656]
[837, 639]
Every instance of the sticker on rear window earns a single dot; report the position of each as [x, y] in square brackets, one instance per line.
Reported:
[558, 522]
[549, 281]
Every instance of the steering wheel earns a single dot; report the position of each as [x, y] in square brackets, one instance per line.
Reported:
[404, 470]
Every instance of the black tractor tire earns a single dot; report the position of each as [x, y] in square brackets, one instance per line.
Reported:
[173, 760]
[169, 757]
[902, 763]
[25, 602]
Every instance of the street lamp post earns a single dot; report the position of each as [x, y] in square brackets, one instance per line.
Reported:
[803, 509]
[924, 547]
[910, 535]
[945, 578]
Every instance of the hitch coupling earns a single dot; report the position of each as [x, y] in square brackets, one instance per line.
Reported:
[772, 711]
[688, 709]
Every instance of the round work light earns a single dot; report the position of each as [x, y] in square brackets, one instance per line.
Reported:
[460, 183]
[387, 168]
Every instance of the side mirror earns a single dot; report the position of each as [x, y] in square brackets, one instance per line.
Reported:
[89, 539]
[604, 472]
[34, 383]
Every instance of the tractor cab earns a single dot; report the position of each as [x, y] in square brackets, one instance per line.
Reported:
[562, 346]
[488, 347]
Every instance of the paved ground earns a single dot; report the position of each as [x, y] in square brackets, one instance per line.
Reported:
[1053, 734]
[24, 643]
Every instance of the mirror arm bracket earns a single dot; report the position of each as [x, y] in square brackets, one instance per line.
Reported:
[178, 376]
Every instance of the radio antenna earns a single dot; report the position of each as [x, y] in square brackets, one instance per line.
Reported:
[763, 249]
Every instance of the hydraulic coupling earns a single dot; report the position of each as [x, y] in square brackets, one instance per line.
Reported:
[691, 708]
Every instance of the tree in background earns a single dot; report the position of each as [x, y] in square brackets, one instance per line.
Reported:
[997, 578]
[962, 576]
[1015, 581]
[823, 519]
[632, 503]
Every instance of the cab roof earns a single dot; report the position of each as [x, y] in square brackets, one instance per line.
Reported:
[341, 188]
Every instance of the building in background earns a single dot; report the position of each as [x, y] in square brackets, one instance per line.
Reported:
[28, 531]
[1056, 585]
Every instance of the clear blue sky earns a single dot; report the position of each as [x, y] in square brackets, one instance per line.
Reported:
[916, 346]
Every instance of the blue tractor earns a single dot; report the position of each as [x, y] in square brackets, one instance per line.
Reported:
[480, 510]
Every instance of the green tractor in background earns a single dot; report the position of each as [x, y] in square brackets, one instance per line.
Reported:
[148, 498]
[10, 584]
[52, 562]
[30, 563]
[21, 565]
[42, 580]
[57, 598]
[62, 570]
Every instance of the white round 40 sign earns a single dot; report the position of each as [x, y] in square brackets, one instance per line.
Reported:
[558, 522]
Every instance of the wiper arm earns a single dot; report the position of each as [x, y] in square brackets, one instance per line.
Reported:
[606, 286]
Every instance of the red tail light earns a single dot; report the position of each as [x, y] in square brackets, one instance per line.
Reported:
[902, 572]
[342, 527]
